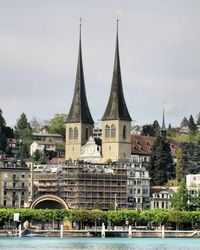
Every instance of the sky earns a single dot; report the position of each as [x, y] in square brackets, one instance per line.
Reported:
[159, 44]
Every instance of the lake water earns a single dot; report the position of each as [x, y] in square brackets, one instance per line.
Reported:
[98, 244]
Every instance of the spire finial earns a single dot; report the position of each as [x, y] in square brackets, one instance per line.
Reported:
[80, 23]
[119, 13]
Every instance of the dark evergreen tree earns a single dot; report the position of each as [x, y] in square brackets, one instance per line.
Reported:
[151, 129]
[156, 128]
[23, 129]
[184, 122]
[191, 158]
[147, 130]
[161, 167]
[198, 119]
[192, 126]
[3, 137]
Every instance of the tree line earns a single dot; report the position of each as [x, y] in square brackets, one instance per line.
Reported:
[155, 217]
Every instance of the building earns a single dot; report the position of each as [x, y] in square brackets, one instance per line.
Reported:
[161, 197]
[48, 137]
[43, 146]
[142, 147]
[193, 184]
[14, 184]
[138, 187]
[84, 186]
[116, 121]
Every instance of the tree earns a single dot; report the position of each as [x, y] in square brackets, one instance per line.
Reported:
[57, 124]
[23, 129]
[179, 164]
[3, 137]
[160, 166]
[191, 158]
[180, 198]
[198, 119]
[184, 122]
[35, 124]
[147, 130]
[156, 128]
[195, 201]
[192, 126]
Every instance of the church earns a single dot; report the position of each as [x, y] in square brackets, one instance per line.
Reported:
[116, 121]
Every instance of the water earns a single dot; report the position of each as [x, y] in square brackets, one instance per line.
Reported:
[98, 244]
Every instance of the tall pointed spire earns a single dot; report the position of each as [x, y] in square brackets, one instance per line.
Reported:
[79, 111]
[163, 130]
[116, 108]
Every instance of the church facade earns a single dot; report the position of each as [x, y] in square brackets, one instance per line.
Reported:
[116, 121]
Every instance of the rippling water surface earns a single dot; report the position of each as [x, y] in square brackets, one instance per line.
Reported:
[98, 243]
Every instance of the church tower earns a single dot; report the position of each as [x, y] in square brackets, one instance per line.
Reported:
[116, 121]
[79, 122]
[163, 131]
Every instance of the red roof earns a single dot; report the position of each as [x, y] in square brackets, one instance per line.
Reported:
[142, 145]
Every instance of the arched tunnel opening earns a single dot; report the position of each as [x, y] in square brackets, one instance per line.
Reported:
[49, 204]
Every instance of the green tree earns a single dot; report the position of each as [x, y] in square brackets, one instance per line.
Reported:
[184, 122]
[198, 119]
[156, 128]
[195, 201]
[161, 167]
[23, 129]
[57, 124]
[192, 126]
[180, 198]
[36, 155]
[3, 137]
[179, 164]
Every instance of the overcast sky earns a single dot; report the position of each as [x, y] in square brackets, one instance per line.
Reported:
[159, 51]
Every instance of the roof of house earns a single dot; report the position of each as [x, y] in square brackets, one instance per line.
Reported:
[142, 145]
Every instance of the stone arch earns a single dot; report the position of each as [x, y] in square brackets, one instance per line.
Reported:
[49, 201]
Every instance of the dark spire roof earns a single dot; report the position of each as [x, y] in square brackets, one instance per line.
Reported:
[116, 108]
[163, 131]
[163, 121]
[79, 111]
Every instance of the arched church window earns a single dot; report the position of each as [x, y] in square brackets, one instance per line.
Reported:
[113, 131]
[70, 133]
[86, 134]
[75, 133]
[107, 132]
[124, 132]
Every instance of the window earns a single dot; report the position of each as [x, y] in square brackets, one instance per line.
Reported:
[22, 184]
[86, 134]
[23, 175]
[14, 184]
[113, 131]
[75, 133]
[107, 131]
[22, 203]
[4, 203]
[14, 193]
[14, 177]
[5, 192]
[70, 133]
[22, 193]
[13, 203]
[124, 132]
[138, 191]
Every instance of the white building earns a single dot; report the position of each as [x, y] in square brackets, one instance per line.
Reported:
[193, 184]
[138, 187]
[41, 146]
